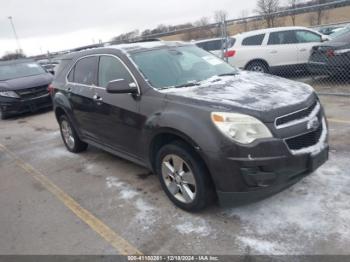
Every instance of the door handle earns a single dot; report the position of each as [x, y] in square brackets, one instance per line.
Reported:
[303, 50]
[69, 89]
[97, 99]
[274, 52]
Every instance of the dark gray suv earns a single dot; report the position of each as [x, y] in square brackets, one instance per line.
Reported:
[208, 130]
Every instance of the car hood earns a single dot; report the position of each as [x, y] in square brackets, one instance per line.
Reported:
[26, 82]
[259, 94]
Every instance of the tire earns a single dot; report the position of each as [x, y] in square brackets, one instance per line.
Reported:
[3, 115]
[190, 193]
[257, 66]
[69, 136]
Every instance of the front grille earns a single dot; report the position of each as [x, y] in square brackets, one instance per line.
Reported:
[33, 92]
[295, 116]
[306, 140]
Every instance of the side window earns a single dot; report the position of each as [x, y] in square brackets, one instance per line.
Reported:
[307, 37]
[112, 69]
[201, 45]
[86, 71]
[282, 38]
[213, 45]
[253, 40]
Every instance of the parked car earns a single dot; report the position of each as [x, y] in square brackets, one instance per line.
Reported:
[205, 128]
[23, 87]
[216, 46]
[332, 58]
[340, 32]
[329, 30]
[275, 50]
[49, 65]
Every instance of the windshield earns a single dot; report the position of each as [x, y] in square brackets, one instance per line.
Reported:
[340, 32]
[179, 66]
[18, 70]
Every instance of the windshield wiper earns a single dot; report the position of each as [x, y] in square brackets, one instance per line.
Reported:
[228, 74]
[189, 84]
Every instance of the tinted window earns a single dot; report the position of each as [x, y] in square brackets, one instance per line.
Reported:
[86, 71]
[307, 37]
[282, 38]
[112, 69]
[210, 45]
[254, 40]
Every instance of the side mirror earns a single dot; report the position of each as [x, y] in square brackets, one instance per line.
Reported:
[325, 38]
[121, 86]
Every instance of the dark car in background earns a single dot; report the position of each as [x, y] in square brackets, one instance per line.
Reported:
[24, 87]
[331, 58]
[205, 128]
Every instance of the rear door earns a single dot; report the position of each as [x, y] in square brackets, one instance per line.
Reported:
[81, 80]
[117, 115]
[306, 41]
[282, 48]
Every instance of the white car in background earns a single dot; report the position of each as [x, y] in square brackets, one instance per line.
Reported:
[273, 50]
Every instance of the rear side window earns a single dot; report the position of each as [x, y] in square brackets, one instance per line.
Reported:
[307, 37]
[85, 71]
[253, 40]
[110, 69]
[210, 45]
[282, 38]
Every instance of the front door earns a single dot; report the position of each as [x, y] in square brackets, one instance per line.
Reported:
[117, 115]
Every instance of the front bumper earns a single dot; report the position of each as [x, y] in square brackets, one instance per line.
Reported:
[11, 106]
[244, 180]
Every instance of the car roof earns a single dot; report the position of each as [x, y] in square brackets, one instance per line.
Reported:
[205, 40]
[126, 48]
[270, 30]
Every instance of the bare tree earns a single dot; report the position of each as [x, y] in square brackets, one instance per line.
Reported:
[320, 11]
[220, 16]
[267, 8]
[243, 16]
[292, 4]
[13, 56]
[203, 31]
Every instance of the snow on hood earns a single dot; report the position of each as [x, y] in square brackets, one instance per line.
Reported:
[250, 90]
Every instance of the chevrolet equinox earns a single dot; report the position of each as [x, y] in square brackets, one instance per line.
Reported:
[208, 130]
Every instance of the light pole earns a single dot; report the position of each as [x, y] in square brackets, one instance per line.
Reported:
[15, 33]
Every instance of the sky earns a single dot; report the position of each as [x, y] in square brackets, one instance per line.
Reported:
[55, 25]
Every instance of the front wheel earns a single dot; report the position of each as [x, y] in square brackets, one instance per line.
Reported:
[70, 137]
[3, 115]
[183, 177]
[257, 66]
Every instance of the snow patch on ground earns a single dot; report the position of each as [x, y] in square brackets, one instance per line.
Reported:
[124, 190]
[197, 226]
[262, 246]
[315, 209]
[146, 215]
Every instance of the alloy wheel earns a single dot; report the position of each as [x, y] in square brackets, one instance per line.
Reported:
[67, 133]
[179, 178]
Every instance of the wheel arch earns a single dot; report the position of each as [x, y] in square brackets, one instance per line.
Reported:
[261, 60]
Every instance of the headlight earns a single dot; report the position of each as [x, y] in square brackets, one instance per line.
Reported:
[9, 94]
[240, 128]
